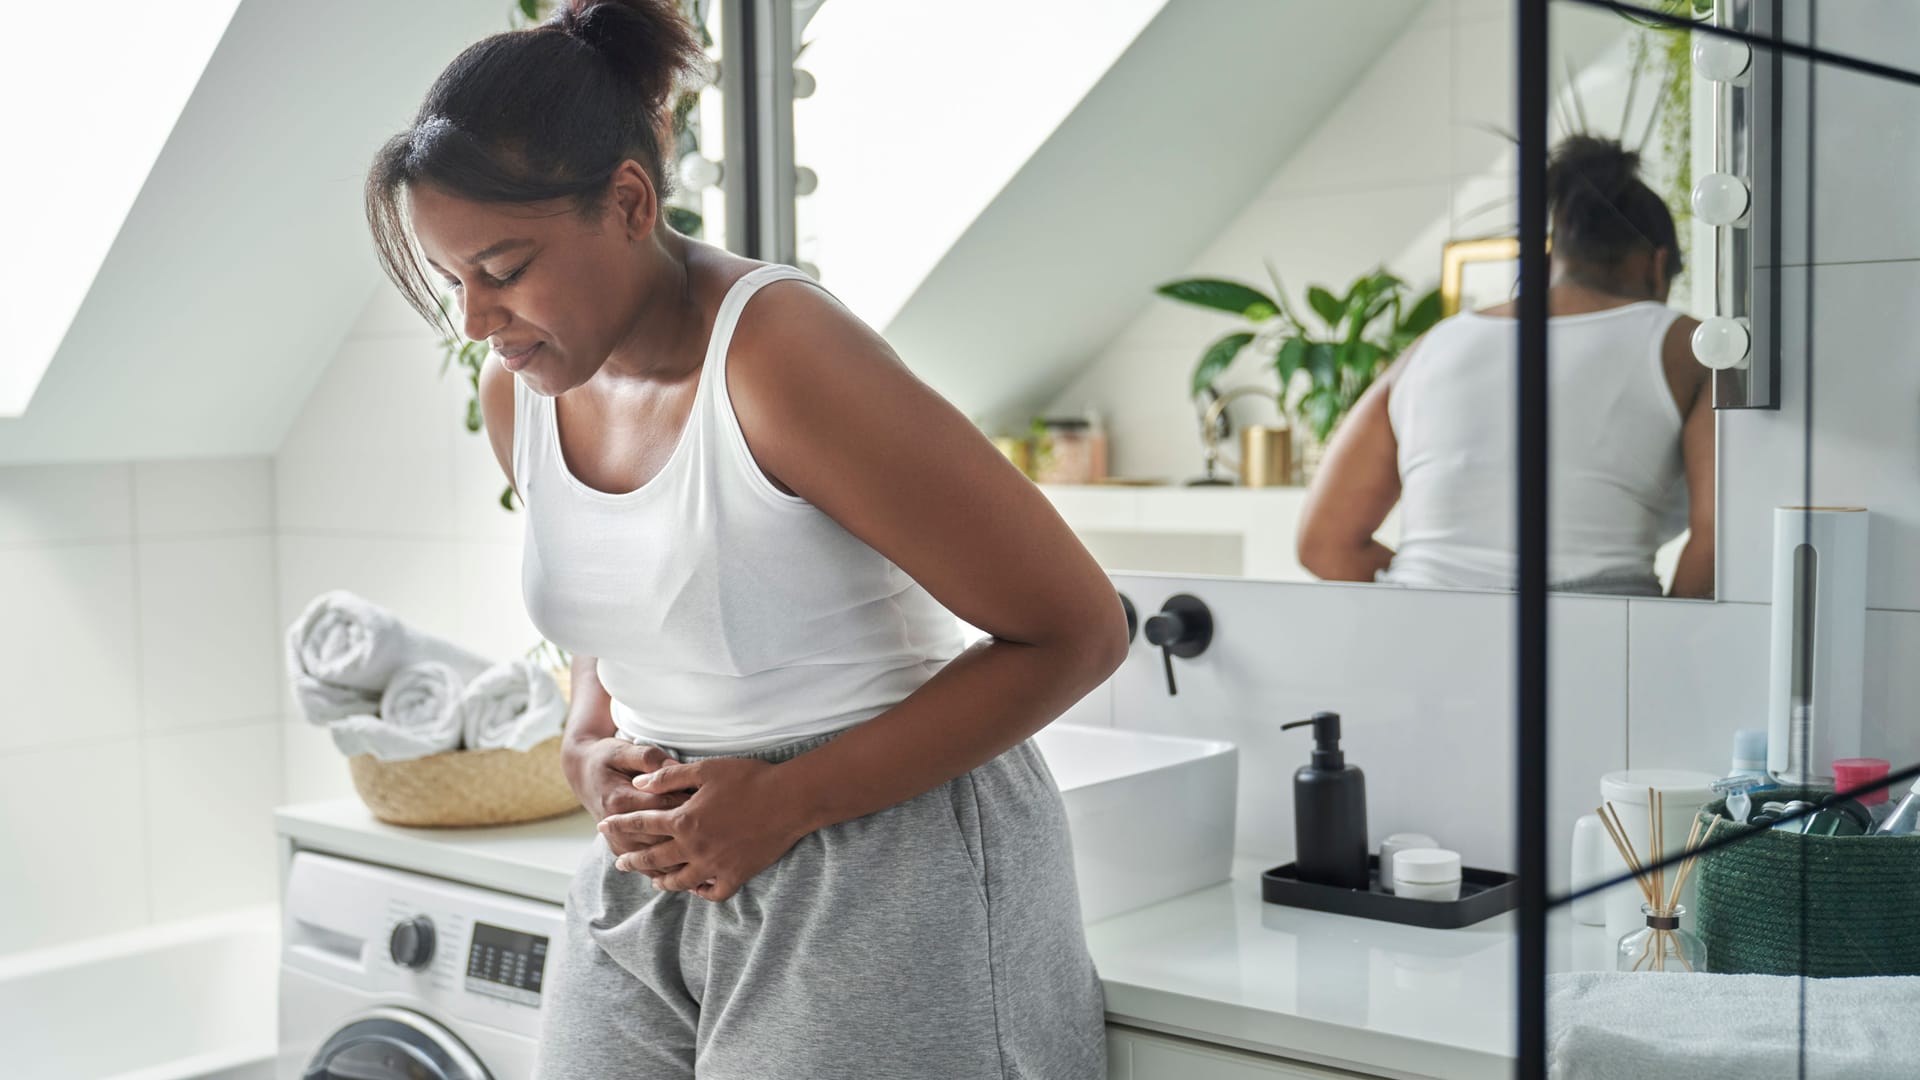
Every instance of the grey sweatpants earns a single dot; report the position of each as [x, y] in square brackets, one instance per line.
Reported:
[939, 938]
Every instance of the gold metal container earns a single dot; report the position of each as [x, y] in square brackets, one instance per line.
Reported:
[1266, 456]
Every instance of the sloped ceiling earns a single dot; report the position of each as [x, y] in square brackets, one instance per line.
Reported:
[246, 257]
[1189, 124]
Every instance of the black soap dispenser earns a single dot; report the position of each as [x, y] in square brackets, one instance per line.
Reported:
[1329, 811]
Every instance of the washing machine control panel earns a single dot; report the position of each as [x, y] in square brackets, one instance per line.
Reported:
[506, 963]
[454, 951]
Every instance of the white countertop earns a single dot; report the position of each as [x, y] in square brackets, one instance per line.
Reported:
[1218, 964]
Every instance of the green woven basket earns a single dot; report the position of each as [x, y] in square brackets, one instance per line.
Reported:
[1861, 900]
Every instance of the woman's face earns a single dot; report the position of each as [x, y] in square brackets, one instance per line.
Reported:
[534, 276]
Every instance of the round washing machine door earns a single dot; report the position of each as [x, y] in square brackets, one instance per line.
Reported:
[394, 1044]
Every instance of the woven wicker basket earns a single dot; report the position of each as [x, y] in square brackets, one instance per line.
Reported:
[1860, 896]
[462, 788]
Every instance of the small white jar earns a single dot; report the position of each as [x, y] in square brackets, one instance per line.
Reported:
[1393, 845]
[1427, 874]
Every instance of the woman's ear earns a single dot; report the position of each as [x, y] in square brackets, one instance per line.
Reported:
[637, 199]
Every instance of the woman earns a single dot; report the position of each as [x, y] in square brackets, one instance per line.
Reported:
[1630, 419]
[827, 845]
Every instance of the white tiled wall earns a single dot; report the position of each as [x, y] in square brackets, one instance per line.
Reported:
[381, 490]
[140, 730]
[1423, 680]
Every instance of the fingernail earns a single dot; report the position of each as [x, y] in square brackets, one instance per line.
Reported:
[620, 863]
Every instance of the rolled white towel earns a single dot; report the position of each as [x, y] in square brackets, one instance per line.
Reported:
[512, 705]
[343, 650]
[417, 716]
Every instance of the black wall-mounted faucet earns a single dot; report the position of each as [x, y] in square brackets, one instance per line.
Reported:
[1133, 618]
[1183, 628]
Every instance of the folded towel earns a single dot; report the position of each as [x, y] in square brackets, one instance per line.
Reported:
[1683, 1026]
[513, 705]
[343, 650]
[417, 716]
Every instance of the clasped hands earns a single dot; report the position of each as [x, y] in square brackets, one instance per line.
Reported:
[705, 827]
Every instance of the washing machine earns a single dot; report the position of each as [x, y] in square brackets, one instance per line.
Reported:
[389, 975]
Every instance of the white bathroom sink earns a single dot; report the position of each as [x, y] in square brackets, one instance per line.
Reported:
[1151, 815]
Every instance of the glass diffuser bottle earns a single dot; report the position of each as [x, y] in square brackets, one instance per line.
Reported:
[1662, 945]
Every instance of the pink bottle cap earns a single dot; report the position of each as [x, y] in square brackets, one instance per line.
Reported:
[1853, 772]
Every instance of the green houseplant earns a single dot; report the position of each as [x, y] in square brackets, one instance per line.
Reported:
[1336, 363]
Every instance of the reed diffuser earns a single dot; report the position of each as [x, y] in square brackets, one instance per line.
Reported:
[1662, 945]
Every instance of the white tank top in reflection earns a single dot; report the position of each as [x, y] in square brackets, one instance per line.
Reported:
[1617, 487]
[726, 614]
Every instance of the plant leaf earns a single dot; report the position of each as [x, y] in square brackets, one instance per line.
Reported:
[1362, 358]
[1426, 312]
[1289, 360]
[507, 498]
[1321, 365]
[1222, 296]
[1216, 359]
[685, 222]
[1322, 410]
[1325, 305]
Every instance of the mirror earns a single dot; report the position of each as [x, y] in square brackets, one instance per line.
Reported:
[1112, 237]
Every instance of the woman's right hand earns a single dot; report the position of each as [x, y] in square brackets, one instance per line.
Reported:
[601, 773]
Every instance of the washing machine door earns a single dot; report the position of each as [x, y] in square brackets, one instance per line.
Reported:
[394, 1044]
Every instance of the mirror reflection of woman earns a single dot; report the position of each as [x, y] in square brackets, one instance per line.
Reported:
[1631, 420]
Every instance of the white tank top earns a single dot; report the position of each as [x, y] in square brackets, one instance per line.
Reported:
[1617, 489]
[726, 614]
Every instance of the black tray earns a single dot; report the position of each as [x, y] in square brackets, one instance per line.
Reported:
[1483, 894]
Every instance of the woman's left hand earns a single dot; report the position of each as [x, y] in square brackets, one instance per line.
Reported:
[737, 822]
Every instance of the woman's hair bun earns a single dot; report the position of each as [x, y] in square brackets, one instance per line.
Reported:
[649, 42]
[1600, 166]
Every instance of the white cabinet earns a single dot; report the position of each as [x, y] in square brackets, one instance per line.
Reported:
[1141, 1055]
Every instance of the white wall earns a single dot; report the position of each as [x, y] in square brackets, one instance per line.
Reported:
[140, 721]
[381, 490]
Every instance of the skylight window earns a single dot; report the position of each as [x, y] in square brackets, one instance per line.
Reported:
[92, 92]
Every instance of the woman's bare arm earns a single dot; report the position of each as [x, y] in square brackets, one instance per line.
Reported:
[832, 414]
[1693, 573]
[1355, 488]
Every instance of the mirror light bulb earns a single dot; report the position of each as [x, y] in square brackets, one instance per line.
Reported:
[1721, 59]
[1719, 199]
[803, 83]
[805, 180]
[1721, 343]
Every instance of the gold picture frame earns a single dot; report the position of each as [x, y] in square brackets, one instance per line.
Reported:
[1486, 257]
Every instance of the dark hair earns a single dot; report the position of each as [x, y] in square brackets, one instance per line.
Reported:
[546, 112]
[1601, 210]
